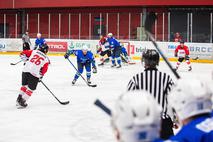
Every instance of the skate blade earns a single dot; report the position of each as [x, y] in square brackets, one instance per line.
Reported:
[20, 107]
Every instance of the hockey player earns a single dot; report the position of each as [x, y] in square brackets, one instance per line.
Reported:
[104, 49]
[39, 41]
[182, 52]
[124, 54]
[191, 100]
[35, 68]
[116, 50]
[84, 59]
[136, 118]
[158, 84]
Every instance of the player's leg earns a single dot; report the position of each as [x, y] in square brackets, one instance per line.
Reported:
[187, 58]
[180, 60]
[80, 71]
[113, 58]
[20, 101]
[118, 56]
[166, 128]
[88, 72]
[26, 46]
[29, 84]
[109, 54]
[102, 54]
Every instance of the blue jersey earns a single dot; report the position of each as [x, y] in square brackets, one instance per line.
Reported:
[123, 50]
[113, 43]
[198, 130]
[81, 58]
[39, 42]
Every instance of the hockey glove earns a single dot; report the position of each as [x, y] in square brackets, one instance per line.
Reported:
[187, 57]
[66, 55]
[23, 57]
[94, 69]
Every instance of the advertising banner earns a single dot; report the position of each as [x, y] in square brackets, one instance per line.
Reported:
[57, 46]
[134, 48]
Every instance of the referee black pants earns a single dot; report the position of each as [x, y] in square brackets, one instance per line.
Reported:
[166, 128]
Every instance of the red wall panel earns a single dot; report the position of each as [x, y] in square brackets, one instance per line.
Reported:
[86, 3]
[135, 22]
[112, 24]
[124, 26]
[33, 25]
[84, 26]
[54, 26]
[44, 24]
[5, 4]
[10, 20]
[74, 24]
[64, 25]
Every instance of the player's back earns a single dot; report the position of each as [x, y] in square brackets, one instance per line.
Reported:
[35, 63]
[198, 130]
[113, 42]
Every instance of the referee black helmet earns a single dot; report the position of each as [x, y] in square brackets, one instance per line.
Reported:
[151, 58]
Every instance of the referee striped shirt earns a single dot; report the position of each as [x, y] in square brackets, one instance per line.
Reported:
[156, 83]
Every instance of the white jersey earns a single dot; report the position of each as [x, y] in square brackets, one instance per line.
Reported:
[181, 53]
[36, 62]
[105, 46]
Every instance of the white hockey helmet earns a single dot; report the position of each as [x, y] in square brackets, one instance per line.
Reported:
[190, 97]
[85, 48]
[38, 35]
[136, 117]
[109, 35]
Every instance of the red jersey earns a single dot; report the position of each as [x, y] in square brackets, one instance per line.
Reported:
[37, 63]
[181, 51]
[102, 41]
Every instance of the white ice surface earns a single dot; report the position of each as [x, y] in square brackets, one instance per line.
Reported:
[80, 121]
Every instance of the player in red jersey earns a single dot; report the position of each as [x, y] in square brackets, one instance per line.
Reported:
[35, 68]
[182, 52]
[103, 49]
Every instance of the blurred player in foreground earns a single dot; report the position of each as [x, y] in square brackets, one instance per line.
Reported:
[136, 118]
[191, 101]
[35, 68]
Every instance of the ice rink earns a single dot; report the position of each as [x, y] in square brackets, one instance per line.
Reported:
[80, 121]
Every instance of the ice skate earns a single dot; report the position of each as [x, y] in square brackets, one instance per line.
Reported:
[113, 65]
[119, 66]
[20, 102]
[88, 80]
[101, 64]
[73, 82]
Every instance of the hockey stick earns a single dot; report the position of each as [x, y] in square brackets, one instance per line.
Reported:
[17, 62]
[103, 107]
[150, 20]
[90, 85]
[196, 58]
[63, 103]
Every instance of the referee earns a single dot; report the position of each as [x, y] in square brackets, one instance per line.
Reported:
[158, 84]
